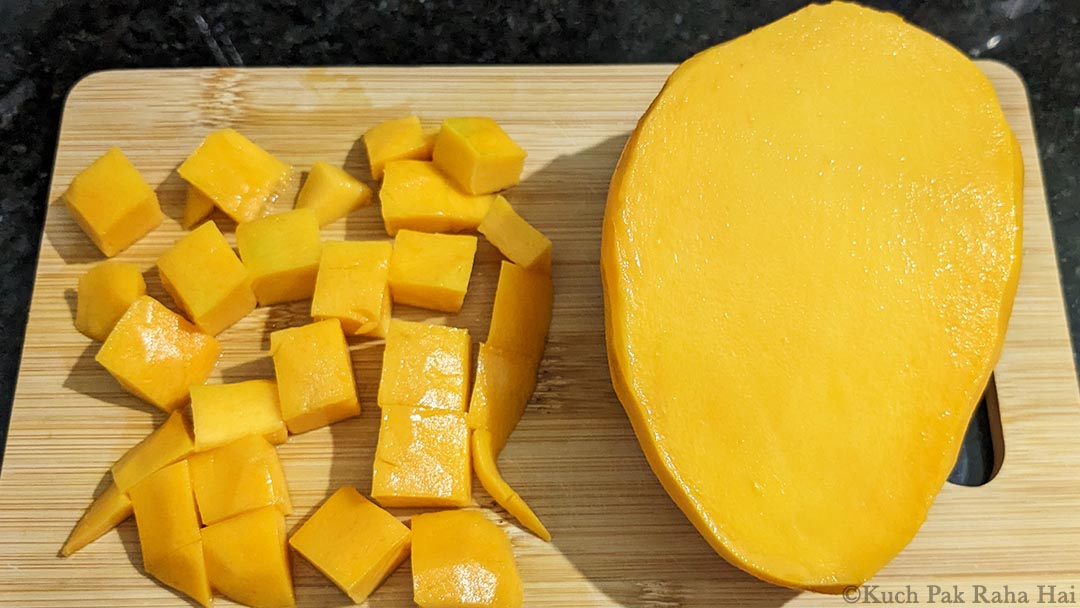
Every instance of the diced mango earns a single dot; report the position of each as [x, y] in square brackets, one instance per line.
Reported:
[206, 279]
[352, 542]
[223, 413]
[236, 174]
[425, 365]
[383, 329]
[422, 459]
[158, 355]
[514, 237]
[416, 195]
[165, 514]
[352, 284]
[184, 570]
[112, 203]
[168, 443]
[105, 513]
[431, 270]
[483, 458]
[105, 293]
[478, 155]
[504, 384]
[281, 253]
[521, 314]
[399, 139]
[247, 559]
[238, 477]
[315, 377]
[462, 560]
[197, 207]
[332, 193]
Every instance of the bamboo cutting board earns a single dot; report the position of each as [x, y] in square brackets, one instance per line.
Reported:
[618, 539]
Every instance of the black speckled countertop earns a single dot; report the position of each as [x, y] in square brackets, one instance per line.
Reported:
[47, 45]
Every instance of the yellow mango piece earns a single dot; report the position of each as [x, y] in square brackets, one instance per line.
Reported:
[165, 514]
[483, 457]
[399, 139]
[237, 477]
[168, 443]
[106, 512]
[416, 195]
[184, 570]
[810, 252]
[353, 542]
[236, 174]
[247, 559]
[315, 377]
[425, 365]
[281, 253]
[105, 293]
[478, 155]
[504, 384]
[521, 314]
[157, 355]
[223, 413]
[422, 459]
[462, 560]
[197, 207]
[514, 237]
[332, 193]
[206, 280]
[383, 329]
[352, 284]
[112, 203]
[431, 270]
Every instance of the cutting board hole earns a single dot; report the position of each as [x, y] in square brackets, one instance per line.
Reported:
[983, 449]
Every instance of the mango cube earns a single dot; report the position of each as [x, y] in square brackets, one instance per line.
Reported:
[514, 237]
[165, 514]
[422, 459]
[315, 377]
[158, 355]
[352, 284]
[281, 253]
[399, 139]
[223, 413]
[478, 155]
[504, 384]
[171, 442]
[460, 559]
[416, 195]
[352, 542]
[431, 270]
[243, 475]
[247, 559]
[105, 513]
[197, 207]
[521, 314]
[332, 193]
[206, 279]
[483, 458]
[425, 365]
[236, 174]
[105, 293]
[112, 203]
[185, 571]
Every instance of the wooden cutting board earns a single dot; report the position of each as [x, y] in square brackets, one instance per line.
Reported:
[618, 539]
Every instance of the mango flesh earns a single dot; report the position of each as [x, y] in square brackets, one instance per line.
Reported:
[168, 443]
[106, 512]
[417, 195]
[809, 256]
[197, 207]
[487, 471]
[478, 155]
[431, 270]
[281, 252]
[397, 139]
[241, 476]
[352, 284]
[165, 514]
[425, 365]
[332, 193]
[223, 413]
[185, 571]
[422, 459]
[315, 380]
[514, 237]
[105, 293]
[247, 559]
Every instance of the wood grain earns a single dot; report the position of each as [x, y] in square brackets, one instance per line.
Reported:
[618, 539]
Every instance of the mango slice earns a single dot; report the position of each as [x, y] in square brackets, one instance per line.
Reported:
[422, 459]
[478, 155]
[165, 514]
[105, 293]
[483, 458]
[315, 379]
[197, 207]
[247, 559]
[332, 193]
[106, 512]
[112, 203]
[514, 237]
[431, 270]
[425, 365]
[241, 476]
[223, 413]
[462, 560]
[810, 252]
[416, 195]
[353, 542]
[281, 252]
[168, 443]
[398, 139]
[157, 355]
[521, 314]
[352, 285]
[185, 570]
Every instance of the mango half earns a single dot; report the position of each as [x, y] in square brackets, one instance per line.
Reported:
[810, 250]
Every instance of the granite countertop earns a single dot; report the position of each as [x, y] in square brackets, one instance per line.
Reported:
[47, 45]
